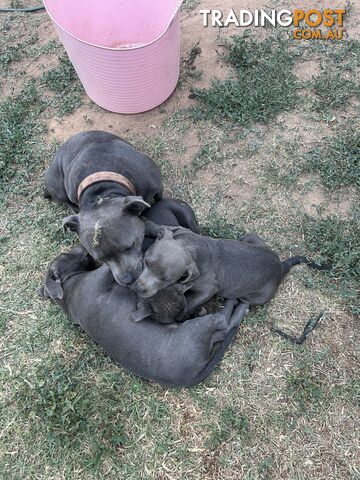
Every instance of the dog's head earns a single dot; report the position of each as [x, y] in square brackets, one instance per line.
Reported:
[113, 233]
[165, 306]
[166, 262]
[77, 260]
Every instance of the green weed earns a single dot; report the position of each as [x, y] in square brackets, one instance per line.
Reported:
[208, 153]
[64, 82]
[304, 386]
[13, 52]
[337, 160]
[333, 90]
[263, 84]
[19, 127]
[189, 4]
[337, 83]
[231, 423]
[337, 241]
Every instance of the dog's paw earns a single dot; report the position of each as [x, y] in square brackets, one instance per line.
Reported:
[202, 312]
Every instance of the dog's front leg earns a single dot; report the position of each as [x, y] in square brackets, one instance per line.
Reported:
[151, 229]
[195, 298]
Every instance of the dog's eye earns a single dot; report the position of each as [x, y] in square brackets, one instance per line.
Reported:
[183, 277]
[127, 249]
[54, 274]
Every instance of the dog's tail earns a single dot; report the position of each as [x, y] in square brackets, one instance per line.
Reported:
[292, 261]
[215, 359]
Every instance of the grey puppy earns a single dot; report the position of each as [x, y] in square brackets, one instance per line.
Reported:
[166, 305]
[245, 269]
[109, 183]
[171, 212]
[180, 355]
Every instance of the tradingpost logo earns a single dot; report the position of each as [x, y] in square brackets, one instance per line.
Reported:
[312, 24]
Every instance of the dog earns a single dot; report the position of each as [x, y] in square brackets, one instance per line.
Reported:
[171, 212]
[244, 269]
[168, 303]
[176, 355]
[166, 306]
[108, 184]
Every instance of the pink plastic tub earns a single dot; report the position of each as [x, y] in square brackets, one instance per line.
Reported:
[125, 52]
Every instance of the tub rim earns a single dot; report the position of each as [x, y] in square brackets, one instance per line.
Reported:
[117, 49]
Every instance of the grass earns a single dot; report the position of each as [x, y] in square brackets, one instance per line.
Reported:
[337, 83]
[334, 160]
[63, 81]
[231, 423]
[15, 52]
[263, 83]
[272, 410]
[337, 160]
[304, 386]
[208, 152]
[337, 241]
[19, 127]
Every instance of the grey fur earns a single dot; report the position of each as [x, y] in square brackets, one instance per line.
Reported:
[108, 222]
[176, 355]
[234, 269]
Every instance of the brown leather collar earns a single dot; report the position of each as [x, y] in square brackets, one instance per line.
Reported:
[105, 177]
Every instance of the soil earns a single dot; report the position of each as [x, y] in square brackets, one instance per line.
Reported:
[201, 50]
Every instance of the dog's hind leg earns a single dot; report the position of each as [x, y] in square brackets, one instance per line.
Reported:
[227, 319]
[238, 315]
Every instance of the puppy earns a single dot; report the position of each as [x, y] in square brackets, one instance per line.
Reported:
[179, 355]
[245, 269]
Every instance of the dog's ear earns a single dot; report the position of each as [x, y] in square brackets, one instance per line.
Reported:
[71, 223]
[143, 310]
[190, 274]
[42, 293]
[135, 205]
[53, 287]
[164, 232]
[183, 287]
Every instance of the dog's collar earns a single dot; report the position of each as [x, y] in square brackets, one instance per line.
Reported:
[105, 177]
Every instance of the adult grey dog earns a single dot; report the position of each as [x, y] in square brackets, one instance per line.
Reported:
[109, 183]
[177, 355]
[245, 269]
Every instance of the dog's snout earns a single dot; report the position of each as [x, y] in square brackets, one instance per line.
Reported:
[139, 286]
[126, 279]
[142, 289]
